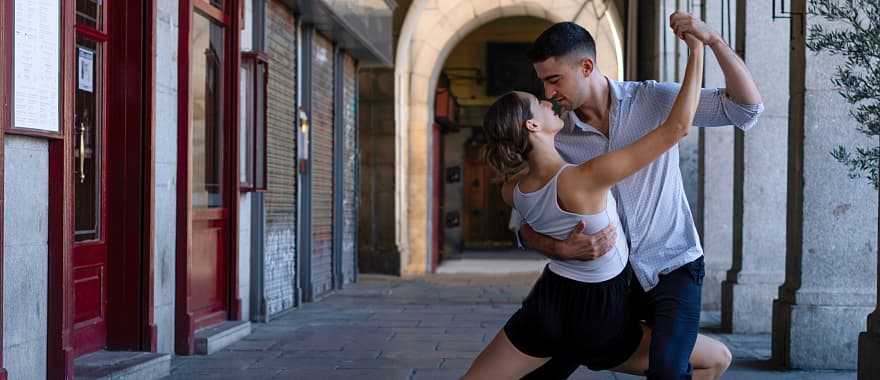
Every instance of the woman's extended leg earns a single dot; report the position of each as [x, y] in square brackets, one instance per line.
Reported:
[501, 360]
[710, 358]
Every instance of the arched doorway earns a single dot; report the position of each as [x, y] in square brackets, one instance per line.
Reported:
[469, 218]
[430, 32]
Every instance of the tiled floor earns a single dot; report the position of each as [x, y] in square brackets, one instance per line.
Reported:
[424, 328]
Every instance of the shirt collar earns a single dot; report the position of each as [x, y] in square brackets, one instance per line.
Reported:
[618, 90]
[618, 93]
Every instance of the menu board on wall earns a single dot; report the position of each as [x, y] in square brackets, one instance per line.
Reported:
[37, 64]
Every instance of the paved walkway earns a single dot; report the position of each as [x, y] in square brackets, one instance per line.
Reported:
[425, 328]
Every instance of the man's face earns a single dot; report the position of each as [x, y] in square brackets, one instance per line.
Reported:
[564, 80]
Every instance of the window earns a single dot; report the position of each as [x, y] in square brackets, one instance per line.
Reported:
[508, 68]
[207, 91]
[254, 82]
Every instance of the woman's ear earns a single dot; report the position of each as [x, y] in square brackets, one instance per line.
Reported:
[532, 125]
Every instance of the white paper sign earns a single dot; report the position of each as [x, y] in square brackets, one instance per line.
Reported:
[37, 62]
[85, 70]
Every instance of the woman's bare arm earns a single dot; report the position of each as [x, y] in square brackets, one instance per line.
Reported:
[606, 170]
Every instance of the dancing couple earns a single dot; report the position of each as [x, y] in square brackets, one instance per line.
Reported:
[592, 167]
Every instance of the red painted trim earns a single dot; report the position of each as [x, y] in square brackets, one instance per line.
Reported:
[60, 287]
[184, 323]
[233, 52]
[6, 44]
[258, 59]
[211, 11]
[84, 341]
[150, 330]
[34, 133]
[130, 323]
[91, 33]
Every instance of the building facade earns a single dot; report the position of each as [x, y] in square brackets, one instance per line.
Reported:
[174, 169]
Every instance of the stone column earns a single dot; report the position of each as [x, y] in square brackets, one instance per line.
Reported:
[759, 177]
[869, 341]
[831, 260]
[377, 250]
[716, 170]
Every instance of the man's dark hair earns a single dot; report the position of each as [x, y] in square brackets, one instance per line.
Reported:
[562, 39]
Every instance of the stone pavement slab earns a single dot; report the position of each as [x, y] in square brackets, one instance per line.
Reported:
[429, 327]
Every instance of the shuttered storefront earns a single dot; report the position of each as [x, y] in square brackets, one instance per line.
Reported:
[280, 197]
[349, 168]
[322, 165]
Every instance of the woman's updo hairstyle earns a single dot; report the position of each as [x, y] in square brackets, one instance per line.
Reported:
[507, 138]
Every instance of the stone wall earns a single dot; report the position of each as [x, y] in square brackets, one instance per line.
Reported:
[377, 251]
[25, 256]
[165, 161]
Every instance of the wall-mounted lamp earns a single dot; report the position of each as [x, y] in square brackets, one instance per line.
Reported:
[782, 13]
[303, 122]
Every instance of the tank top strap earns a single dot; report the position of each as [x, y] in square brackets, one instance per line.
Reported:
[555, 180]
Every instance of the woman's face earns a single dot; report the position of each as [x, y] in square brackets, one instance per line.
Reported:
[543, 114]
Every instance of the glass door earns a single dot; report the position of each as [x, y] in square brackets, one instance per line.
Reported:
[90, 184]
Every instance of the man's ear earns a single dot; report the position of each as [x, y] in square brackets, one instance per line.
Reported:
[587, 66]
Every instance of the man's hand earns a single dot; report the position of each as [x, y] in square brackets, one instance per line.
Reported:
[685, 23]
[580, 246]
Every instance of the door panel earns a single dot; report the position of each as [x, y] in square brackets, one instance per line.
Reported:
[90, 248]
[208, 270]
[486, 216]
[208, 267]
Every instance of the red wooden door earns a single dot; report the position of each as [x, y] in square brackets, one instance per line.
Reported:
[209, 272]
[486, 216]
[90, 247]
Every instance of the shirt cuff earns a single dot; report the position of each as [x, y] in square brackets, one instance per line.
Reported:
[743, 116]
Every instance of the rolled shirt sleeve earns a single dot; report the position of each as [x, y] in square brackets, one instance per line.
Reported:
[716, 108]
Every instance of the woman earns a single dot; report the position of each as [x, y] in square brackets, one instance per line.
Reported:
[579, 308]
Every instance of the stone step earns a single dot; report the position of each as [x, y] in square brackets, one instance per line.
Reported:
[212, 339]
[122, 365]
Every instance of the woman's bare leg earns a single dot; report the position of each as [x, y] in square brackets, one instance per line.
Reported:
[710, 358]
[501, 360]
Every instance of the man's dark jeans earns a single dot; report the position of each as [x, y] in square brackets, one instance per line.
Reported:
[672, 310]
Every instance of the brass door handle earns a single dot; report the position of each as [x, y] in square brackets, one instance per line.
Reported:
[82, 152]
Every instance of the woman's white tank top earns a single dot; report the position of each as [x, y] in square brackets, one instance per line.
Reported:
[540, 209]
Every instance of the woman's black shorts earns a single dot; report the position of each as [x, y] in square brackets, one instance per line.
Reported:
[593, 322]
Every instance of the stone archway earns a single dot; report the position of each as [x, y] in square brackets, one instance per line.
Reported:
[431, 29]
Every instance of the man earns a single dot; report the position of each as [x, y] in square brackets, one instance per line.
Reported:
[665, 251]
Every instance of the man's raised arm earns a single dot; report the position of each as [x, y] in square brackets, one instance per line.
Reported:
[738, 80]
[738, 104]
